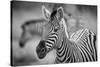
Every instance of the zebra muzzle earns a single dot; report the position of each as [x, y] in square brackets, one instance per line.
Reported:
[21, 44]
[41, 50]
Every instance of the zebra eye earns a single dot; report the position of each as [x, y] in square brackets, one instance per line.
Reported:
[55, 30]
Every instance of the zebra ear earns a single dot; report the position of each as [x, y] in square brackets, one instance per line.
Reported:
[60, 13]
[46, 13]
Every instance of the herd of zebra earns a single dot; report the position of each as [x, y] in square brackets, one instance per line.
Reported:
[79, 47]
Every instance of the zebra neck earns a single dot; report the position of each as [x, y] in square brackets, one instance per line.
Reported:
[64, 40]
[66, 51]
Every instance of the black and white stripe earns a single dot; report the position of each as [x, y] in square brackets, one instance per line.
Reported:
[51, 41]
[80, 47]
[83, 50]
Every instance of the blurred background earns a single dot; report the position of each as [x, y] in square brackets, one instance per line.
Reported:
[25, 11]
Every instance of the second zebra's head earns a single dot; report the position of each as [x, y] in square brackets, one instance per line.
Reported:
[52, 31]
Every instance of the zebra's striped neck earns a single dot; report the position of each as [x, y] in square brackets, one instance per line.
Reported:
[67, 51]
[70, 51]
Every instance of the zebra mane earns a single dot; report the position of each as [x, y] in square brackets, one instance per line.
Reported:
[30, 22]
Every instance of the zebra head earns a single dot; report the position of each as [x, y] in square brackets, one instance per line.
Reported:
[52, 31]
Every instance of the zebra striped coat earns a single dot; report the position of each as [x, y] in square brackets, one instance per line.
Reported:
[79, 47]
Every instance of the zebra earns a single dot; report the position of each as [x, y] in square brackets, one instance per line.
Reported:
[79, 47]
[29, 29]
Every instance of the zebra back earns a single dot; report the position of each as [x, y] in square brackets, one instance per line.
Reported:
[80, 47]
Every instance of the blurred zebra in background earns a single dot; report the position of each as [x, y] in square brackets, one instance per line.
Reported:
[79, 47]
[30, 28]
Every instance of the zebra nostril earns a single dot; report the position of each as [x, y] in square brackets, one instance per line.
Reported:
[43, 50]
